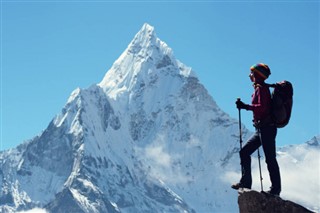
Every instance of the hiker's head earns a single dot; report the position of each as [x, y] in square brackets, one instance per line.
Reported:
[259, 72]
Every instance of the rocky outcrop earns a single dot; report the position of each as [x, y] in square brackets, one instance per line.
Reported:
[260, 202]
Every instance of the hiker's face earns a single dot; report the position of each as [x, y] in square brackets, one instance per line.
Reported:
[251, 76]
[255, 77]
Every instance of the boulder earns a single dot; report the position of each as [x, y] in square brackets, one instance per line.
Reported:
[251, 201]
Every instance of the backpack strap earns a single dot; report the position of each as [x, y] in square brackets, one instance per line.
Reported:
[271, 85]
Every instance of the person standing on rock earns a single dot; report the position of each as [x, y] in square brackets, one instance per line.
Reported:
[265, 131]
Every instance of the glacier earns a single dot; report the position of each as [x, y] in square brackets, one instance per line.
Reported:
[147, 138]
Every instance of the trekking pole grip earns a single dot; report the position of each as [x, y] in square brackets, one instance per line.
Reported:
[238, 100]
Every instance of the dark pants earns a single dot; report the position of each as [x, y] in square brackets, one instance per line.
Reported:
[264, 136]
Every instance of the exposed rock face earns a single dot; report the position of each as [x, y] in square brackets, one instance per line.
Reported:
[255, 202]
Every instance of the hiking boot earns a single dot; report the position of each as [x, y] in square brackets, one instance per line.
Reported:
[275, 192]
[238, 186]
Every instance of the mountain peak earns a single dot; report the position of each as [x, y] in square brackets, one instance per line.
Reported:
[145, 56]
[145, 38]
[147, 27]
[146, 31]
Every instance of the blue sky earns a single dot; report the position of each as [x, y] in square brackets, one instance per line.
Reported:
[49, 48]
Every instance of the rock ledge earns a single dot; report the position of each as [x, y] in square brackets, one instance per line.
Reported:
[260, 202]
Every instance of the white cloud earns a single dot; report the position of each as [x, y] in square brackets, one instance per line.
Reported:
[301, 178]
[158, 155]
[161, 163]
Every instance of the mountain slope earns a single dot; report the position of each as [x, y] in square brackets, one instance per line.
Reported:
[72, 166]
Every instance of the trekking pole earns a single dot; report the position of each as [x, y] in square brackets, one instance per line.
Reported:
[238, 99]
[259, 156]
[240, 135]
[260, 170]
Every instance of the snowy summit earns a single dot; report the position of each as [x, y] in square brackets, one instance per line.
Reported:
[145, 56]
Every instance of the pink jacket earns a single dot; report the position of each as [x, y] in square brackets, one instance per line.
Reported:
[261, 102]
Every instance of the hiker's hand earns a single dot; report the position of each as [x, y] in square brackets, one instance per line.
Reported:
[241, 105]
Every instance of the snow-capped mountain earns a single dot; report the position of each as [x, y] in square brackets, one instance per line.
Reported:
[147, 138]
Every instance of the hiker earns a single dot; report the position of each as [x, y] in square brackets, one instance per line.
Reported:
[265, 131]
